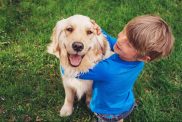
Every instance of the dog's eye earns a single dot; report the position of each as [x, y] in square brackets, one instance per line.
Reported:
[69, 29]
[89, 32]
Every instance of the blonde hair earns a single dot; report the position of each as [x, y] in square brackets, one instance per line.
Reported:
[150, 36]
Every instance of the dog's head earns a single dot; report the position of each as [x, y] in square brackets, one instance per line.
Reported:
[76, 39]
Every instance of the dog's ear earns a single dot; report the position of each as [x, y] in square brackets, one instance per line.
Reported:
[96, 27]
[106, 47]
[54, 47]
[102, 42]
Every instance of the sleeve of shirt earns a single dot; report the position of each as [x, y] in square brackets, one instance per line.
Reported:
[98, 72]
[110, 39]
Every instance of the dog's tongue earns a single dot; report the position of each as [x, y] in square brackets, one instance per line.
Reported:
[75, 59]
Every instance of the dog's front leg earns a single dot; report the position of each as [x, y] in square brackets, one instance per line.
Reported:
[88, 97]
[67, 108]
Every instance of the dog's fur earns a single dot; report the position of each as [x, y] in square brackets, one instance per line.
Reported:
[80, 29]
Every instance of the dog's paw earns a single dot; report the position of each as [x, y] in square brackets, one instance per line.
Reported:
[66, 111]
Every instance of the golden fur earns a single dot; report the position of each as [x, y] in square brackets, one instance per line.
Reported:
[79, 29]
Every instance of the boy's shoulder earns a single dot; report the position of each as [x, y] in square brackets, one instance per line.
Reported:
[115, 64]
[115, 58]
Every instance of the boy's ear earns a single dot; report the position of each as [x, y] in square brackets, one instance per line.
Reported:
[145, 58]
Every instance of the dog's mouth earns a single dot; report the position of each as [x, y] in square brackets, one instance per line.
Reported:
[75, 59]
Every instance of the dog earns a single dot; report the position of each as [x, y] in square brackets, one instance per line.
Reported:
[79, 47]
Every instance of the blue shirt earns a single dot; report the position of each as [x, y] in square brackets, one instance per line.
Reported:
[113, 81]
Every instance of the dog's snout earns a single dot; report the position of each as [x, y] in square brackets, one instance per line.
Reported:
[77, 46]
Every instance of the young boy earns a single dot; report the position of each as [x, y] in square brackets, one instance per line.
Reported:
[143, 39]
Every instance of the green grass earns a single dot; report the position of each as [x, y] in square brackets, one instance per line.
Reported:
[30, 82]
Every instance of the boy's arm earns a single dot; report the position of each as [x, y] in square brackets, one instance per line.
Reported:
[100, 70]
[110, 39]
[97, 73]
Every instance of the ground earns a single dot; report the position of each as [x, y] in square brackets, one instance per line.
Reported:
[30, 82]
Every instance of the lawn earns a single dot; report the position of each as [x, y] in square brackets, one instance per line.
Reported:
[30, 82]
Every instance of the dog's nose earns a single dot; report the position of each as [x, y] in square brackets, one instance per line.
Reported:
[77, 46]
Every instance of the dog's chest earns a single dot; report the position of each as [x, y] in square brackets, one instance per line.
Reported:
[77, 84]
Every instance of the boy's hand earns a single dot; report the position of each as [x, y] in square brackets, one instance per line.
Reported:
[96, 27]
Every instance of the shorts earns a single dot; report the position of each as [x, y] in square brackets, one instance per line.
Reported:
[114, 118]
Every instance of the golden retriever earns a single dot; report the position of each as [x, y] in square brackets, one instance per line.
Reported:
[79, 48]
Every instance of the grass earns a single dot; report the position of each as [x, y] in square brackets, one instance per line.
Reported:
[30, 82]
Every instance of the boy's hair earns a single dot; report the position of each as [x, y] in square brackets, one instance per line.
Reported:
[150, 36]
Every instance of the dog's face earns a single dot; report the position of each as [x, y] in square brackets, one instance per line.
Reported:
[75, 38]
[80, 38]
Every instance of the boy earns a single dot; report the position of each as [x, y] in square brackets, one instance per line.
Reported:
[143, 39]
